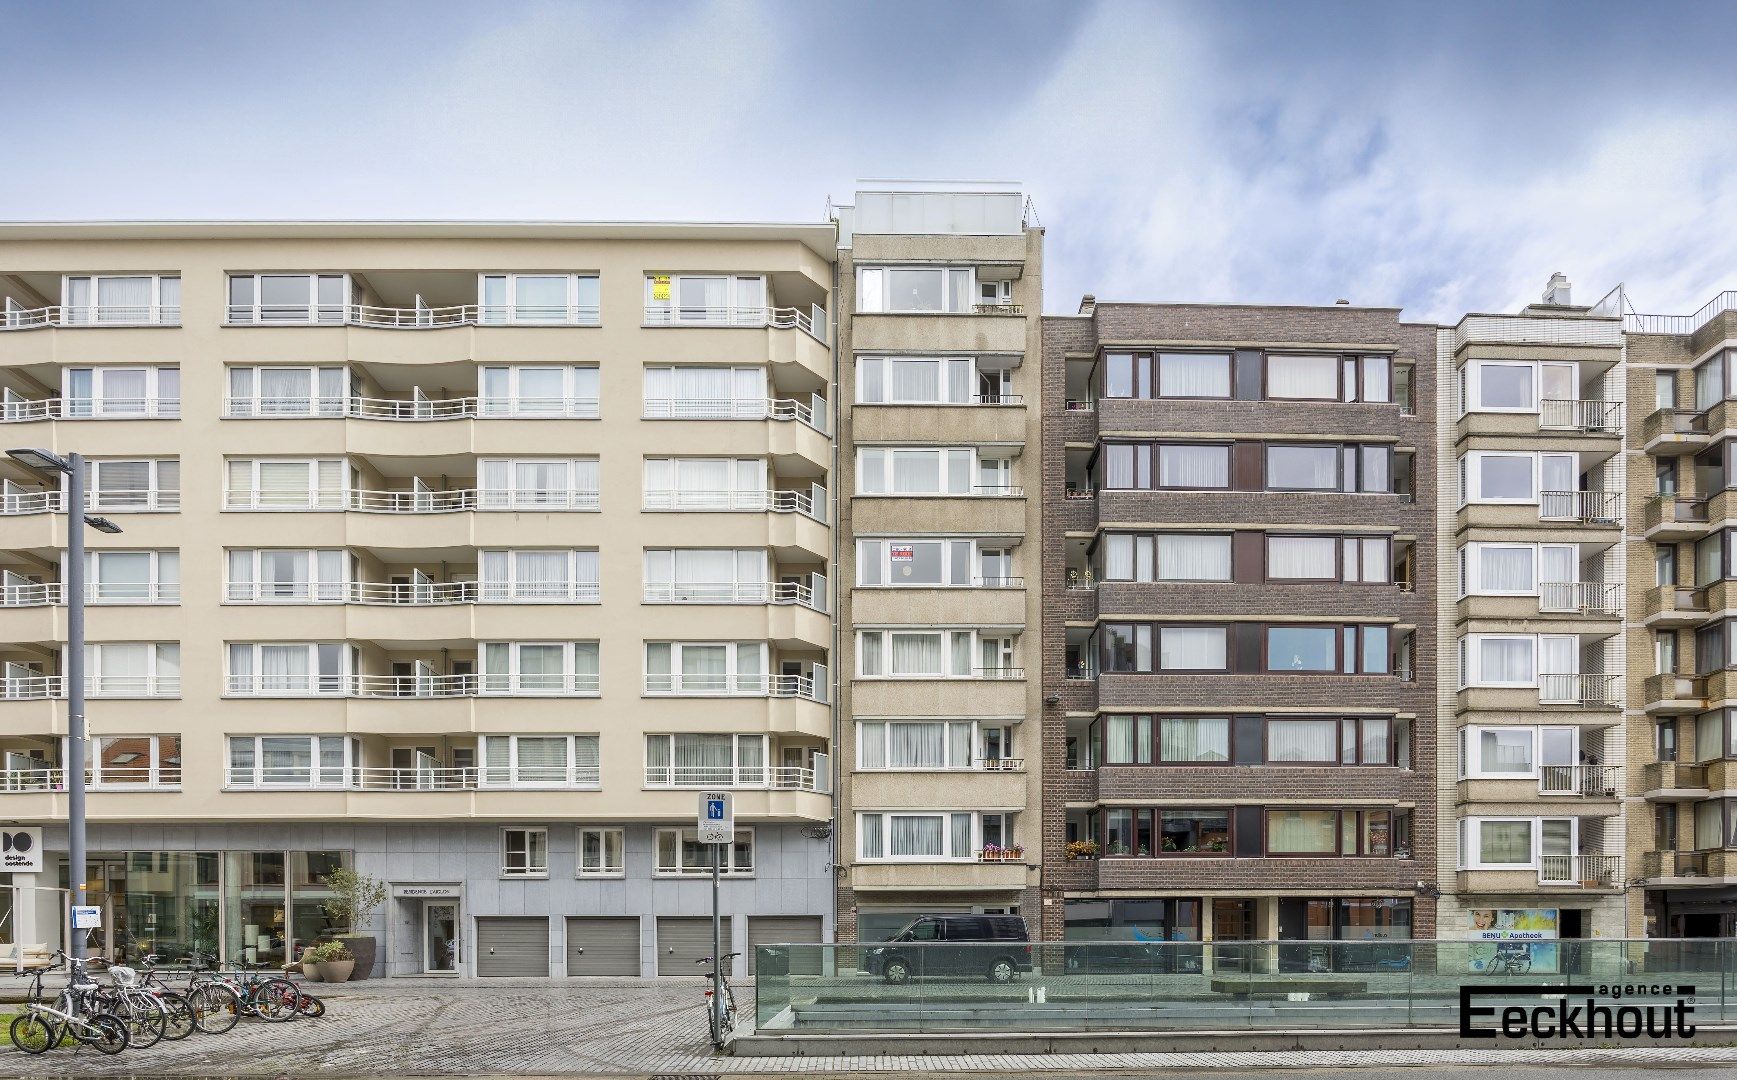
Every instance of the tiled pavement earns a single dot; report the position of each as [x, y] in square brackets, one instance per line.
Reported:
[628, 1026]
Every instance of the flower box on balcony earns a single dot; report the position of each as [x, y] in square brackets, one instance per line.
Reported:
[993, 853]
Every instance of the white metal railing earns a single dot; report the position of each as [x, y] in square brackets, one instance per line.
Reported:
[1597, 507]
[412, 502]
[811, 322]
[359, 778]
[118, 408]
[18, 411]
[1582, 415]
[736, 592]
[33, 595]
[413, 594]
[1001, 764]
[724, 685]
[1591, 780]
[412, 409]
[91, 315]
[1682, 324]
[1579, 689]
[994, 490]
[44, 687]
[413, 318]
[119, 778]
[51, 779]
[1084, 405]
[734, 409]
[1591, 597]
[53, 593]
[780, 502]
[1596, 870]
[1002, 672]
[410, 686]
[778, 778]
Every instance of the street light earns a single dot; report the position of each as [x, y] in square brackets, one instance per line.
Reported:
[72, 465]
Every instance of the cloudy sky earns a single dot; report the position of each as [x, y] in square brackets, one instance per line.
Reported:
[1442, 157]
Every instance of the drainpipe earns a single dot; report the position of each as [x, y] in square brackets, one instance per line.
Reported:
[837, 667]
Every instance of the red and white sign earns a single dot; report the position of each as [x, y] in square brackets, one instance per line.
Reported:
[903, 553]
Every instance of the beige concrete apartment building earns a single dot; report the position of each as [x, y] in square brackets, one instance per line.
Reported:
[939, 294]
[1533, 763]
[463, 554]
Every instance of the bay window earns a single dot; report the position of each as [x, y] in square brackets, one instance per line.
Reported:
[1546, 661]
[707, 576]
[540, 390]
[1165, 557]
[680, 854]
[121, 300]
[144, 761]
[531, 761]
[1303, 741]
[916, 563]
[1715, 824]
[289, 298]
[285, 484]
[706, 300]
[934, 654]
[137, 485]
[1167, 375]
[1329, 467]
[1716, 735]
[1145, 739]
[1374, 833]
[537, 484]
[1503, 569]
[1351, 650]
[539, 667]
[520, 299]
[1501, 386]
[525, 853]
[293, 761]
[705, 483]
[1513, 752]
[288, 391]
[602, 852]
[917, 836]
[295, 669]
[705, 760]
[915, 289]
[928, 471]
[708, 668]
[529, 576]
[692, 392]
[1513, 476]
[133, 577]
[117, 393]
[915, 380]
[915, 744]
[296, 575]
[1517, 843]
[1713, 380]
[133, 670]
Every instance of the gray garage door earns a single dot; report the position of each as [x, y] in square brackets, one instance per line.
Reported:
[512, 947]
[785, 930]
[603, 946]
[682, 941]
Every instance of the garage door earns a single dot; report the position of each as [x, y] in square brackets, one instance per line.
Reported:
[786, 930]
[682, 941]
[603, 946]
[512, 947]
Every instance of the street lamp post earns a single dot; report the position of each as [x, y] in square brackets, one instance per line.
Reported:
[72, 466]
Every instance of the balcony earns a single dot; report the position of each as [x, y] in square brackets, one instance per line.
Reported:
[413, 410]
[1590, 417]
[1674, 607]
[1580, 598]
[53, 593]
[1578, 873]
[423, 501]
[688, 684]
[412, 318]
[810, 503]
[1675, 781]
[771, 778]
[1674, 517]
[296, 685]
[809, 594]
[53, 687]
[1590, 691]
[105, 408]
[31, 502]
[1000, 875]
[812, 322]
[413, 594]
[53, 779]
[90, 315]
[1666, 695]
[1675, 432]
[1690, 869]
[1602, 508]
[493, 778]
[811, 413]
[1583, 781]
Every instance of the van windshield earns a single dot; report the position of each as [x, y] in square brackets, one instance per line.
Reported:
[921, 930]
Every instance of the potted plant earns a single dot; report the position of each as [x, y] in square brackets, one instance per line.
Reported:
[331, 960]
[309, 969]
[1081, 849]
[355, 898]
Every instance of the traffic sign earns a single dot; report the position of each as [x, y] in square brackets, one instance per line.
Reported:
[717, 818]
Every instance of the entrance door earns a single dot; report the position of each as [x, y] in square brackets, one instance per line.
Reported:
[1233, 921]
[440, 944]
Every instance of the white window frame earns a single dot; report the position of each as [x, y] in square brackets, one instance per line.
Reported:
[158, 655]
[671, 589]
[339, 684]
[511, 682]
[943, 379]
[319, 589]
[576, 776]
[157, 497]
[162, 312]
[669, 684]
[741, 775]
[581, 563]
[317, 496]
[952, 639]
[878, 552]
[945, 816]
[1471, 750]
[670, 494]
[315, 779]
[605, 834]
[1472, 464]
[734, 312]
[735, 407]
[154, 766]
[508, 312]
[729, 867]
[1472, 659]
[1474, 384]
[575, 495]
[877, 472]
[529, 835]
[872, 294]
[1471, 830]
[98, 405]
[254, 405]
[974, 752]
[572, 405]
[1471, 559]
[162, 584]
[316, 313]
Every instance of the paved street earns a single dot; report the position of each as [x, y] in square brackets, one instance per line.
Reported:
[609, 1027]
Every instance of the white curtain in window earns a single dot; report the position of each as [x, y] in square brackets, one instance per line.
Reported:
[283, 667]
[1119, 739]
[1190, 648]
[285, 391]
[917, 746]
[1119, 465]
[542, 575]
[958, 381]
[1302, 740]
[1119, 557]
[915, 380]
[1193, 375]
[703, 667]
[1505, 660]
[1557, 564]
[703, 759]
[1193, 558]
[916, 654]
[542, 759]
[1194, 738]
[1303, 377]
[958, 745]
[1505, 842]
[1506, 569]
[916, 837]
[1194, 466]
[916, 472]
[1302, 830]
[873, 745]
[1312, 558]
[1558, 654]
[495, 575]
[872, 843]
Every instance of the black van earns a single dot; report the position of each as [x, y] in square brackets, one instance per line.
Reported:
[921, 949]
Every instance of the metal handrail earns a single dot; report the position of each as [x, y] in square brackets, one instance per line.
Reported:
[1599, 870]
[775, 777]
[413, 594]
[53, 593]
[1596, 597]
[777, 318]
[417, 318]
[411, 409]
[357, 778]
[1587, 506]
[410, 686]
[1681, 324]
[998, 672]
[733, 592]
[414, 502]
[46, 687]
[678, 683]
[75, 315]
[754, 501]
[1589, 415]
[1588, 780]
[1579, 689]
[743, 408]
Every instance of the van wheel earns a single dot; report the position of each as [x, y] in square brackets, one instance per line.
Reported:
[897, 971]
[1001, 971]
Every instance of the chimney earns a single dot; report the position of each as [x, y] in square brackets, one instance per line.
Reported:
[1088, 304]
[1557, 292]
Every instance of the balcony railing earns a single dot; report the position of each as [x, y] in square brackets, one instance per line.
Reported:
[1674, 687]
[1681, 324]
[412, 409]
[724, 685]
[488, 778]
[33, 595]
[46, 687]
[413, 594]
[412, 318]
[811, 322]
[1592, 871]
[776, 778]
[1593, 417]
[1676, 864]
[53, 593]
[737, 592]
[773, 501]
[1674, 510]
[1594, 690]
[411, 686]
[91, 315]
[1584, 597]
[107, 408]
[412, 502]
[122, 778]
[1592, 781]
[1002, 672]
[1001, 764]
[1673, 776]
[1662, 422]
[736, 409]
[1590, 507]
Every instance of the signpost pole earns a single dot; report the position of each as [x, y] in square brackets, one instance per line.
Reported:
[717, 940]
[717, 827]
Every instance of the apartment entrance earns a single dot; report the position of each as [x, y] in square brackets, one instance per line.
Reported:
[440, 944]
[1233, 921]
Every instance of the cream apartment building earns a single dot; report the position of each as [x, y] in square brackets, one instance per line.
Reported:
[463, 554]
[1533, 761]
[939, 548]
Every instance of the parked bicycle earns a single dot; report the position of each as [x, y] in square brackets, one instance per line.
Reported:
[214, 1005]
[720, 1031]
[254, 993]
[1511, 958]
[74, 1014]
[145, 1015]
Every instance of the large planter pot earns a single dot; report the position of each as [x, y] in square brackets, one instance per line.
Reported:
[361, 946]
[336, 971]
[310, 971]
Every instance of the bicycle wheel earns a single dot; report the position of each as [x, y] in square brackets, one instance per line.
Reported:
[311, 1007]
[32, 1033]
[276, 1000]
[179, 1020]
[215, 1008]
[145, 1018]
[107, 1033]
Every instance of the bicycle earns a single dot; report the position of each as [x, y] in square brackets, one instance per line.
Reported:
[269, 998]
[179, 1018]
[144, 1014]
[720, 1032]
[215, 1006]
[41, 1027]
[1509, 959]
